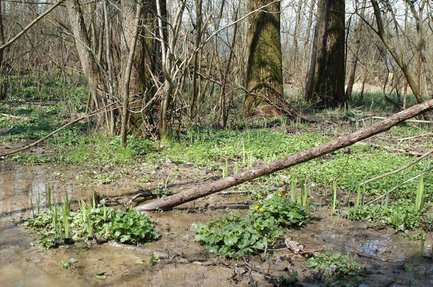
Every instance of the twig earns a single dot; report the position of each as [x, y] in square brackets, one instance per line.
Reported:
[31, 24]
[399, 169]
[415, 137]
[14, 117]
[392, 149]
[395, 187]
[409, 121]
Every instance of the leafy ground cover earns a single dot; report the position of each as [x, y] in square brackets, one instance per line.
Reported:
[237, 235]
[61, 225]
[336, 269]
[229, 151]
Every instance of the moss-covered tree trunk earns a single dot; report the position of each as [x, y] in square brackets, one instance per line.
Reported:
[264, 79]
[325, 87]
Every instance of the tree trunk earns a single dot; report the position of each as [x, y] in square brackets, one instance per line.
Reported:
[264, 79]
[300, 157]
[295, 49]
[411, 79]
[357, 36]
[195, 78]
[328, 70]
[309, 25]
[82, 42]
[3, 80]
[132, 76]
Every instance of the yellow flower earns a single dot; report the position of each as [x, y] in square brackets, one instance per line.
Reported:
[260, 209]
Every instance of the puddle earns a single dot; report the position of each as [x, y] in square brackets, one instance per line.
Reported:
[391, 259]
[24, 264]
[20, 187]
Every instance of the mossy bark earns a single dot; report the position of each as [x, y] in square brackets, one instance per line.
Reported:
[325, 87]
[264, 79]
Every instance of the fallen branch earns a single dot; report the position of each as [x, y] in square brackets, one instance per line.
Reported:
[401, 184]
[14, 117]
[300, 157]
[102, 110]
[415, 137]
[394, 150]
[409, 121]
[399, 169]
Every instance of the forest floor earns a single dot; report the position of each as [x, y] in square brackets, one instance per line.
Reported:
[389, 237]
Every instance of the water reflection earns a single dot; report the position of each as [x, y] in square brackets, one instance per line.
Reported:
[20, 187]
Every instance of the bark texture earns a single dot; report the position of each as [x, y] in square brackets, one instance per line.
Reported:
[325, 87]
[82, 42]
[300, 157]
[131, 58]
[264, 79]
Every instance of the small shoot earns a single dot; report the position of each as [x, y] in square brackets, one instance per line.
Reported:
[55, 222]
[422, 246]
[65, 217]
[358, 197]
[334, 197]
[420, 195]
[293, 191]
[226, 168]
[48, 197]
[305, 192]
[38, 203]
[89, 226]
[244, 154]
[67, 204]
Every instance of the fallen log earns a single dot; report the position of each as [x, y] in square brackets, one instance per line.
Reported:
[297, 158]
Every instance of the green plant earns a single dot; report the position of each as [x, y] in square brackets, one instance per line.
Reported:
[48, 197]
[420, 194]
[287, 213]
[154, 259]
[38, 202]
[236, 235]
[103, 222]
[293, 191]
[334, 197]
[334, 265]
[398, 214]
[132, 227]
[359, 193]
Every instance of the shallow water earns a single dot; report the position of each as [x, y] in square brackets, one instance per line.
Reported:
[22, 263]
[391, 259]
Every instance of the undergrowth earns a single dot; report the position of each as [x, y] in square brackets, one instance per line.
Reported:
[61, 225]
[237, 235]
[336, 269]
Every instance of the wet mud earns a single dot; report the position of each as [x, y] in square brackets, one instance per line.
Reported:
[176, 259]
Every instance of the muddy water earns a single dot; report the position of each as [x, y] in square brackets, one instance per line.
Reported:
[22, 263]
[391, 260]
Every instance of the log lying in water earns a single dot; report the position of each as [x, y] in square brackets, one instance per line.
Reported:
[297, 158]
